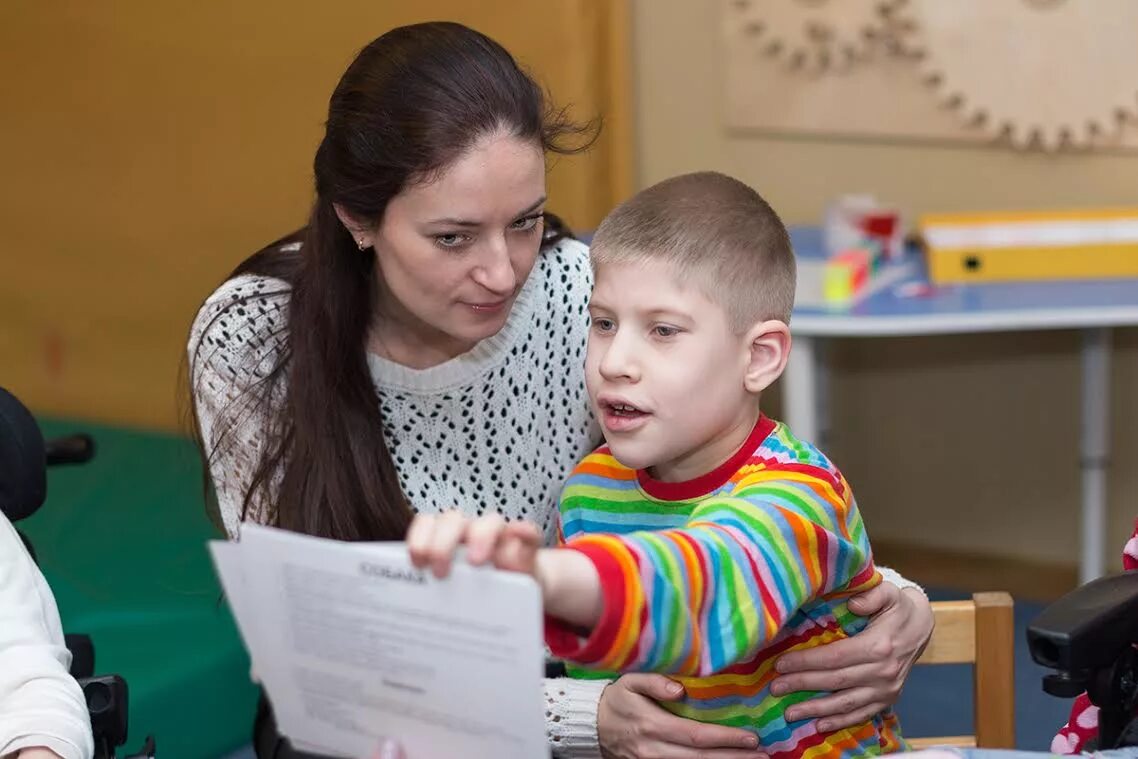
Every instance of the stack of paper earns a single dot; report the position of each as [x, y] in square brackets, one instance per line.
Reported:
[354, 645]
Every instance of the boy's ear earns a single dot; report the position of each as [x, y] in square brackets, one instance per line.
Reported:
[769, 346]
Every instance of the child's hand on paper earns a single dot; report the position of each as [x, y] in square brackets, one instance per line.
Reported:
[570, 585]
[433, 539]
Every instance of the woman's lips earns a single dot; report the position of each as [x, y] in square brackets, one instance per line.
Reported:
[490, 307]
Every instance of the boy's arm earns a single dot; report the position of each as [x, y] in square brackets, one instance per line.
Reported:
[570, 587]
[698, 599]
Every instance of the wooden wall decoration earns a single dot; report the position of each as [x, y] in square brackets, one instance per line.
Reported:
[811, 34]
[1028, 74]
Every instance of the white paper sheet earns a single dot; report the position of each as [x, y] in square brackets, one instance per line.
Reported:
[353, 644]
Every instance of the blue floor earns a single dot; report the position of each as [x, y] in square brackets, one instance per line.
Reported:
[938, 699]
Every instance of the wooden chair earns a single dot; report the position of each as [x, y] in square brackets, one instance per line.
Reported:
[980, 632]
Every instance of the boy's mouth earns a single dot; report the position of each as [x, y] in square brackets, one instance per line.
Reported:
[624, 409]
[621, 416]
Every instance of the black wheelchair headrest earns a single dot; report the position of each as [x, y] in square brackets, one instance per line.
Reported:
[23, 460]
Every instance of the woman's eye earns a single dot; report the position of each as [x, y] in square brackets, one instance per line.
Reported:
[526, 224]
[451, 241]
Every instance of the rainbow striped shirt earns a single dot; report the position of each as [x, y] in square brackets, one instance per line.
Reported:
[710, 580]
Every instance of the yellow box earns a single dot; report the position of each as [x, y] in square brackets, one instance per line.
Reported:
[1041, 245]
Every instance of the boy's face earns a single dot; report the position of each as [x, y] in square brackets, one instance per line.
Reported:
[665, 372]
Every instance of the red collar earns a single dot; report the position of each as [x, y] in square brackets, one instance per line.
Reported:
[713, 480]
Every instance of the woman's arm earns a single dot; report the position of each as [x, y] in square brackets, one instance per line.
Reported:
[41, 705]
[863, 674]
[893, 577]
[571, 716]
[229, 352]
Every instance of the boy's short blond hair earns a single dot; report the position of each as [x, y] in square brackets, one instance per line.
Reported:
[718, 233]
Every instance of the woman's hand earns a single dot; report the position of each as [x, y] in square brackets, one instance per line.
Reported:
[433, 540]
[631, 725]
[863, 674]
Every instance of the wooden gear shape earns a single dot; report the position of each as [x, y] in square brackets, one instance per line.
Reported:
[1045, 72]
[812, 34]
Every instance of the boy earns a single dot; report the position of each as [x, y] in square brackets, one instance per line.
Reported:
[704, 539]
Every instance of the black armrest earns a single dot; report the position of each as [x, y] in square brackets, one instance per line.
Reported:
[1089, 628]
[1088, 636]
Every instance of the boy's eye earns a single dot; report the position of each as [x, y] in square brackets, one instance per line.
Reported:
[603, 325]
[665, 331]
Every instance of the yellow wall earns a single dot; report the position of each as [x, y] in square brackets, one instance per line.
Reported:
[959, 442]
[149, 147]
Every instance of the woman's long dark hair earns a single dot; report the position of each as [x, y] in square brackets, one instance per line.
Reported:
[412, 102]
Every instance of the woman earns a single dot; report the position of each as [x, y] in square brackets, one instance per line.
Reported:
[419, 346]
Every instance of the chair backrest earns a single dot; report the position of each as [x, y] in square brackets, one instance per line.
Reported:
[980, 632]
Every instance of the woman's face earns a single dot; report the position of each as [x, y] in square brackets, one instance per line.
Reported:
[454, 252]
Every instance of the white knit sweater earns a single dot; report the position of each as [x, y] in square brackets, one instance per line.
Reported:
[495, 429]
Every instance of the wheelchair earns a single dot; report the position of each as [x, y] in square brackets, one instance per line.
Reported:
[1088, 637]
[24, 459]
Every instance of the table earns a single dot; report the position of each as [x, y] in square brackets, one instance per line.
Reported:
[1094, 307]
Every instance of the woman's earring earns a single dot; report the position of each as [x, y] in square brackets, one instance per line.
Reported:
[360, 243]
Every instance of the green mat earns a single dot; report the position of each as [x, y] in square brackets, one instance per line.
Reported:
[122, 541]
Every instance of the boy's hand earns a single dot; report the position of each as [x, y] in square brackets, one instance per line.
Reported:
[432, 540]
[570, 586]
